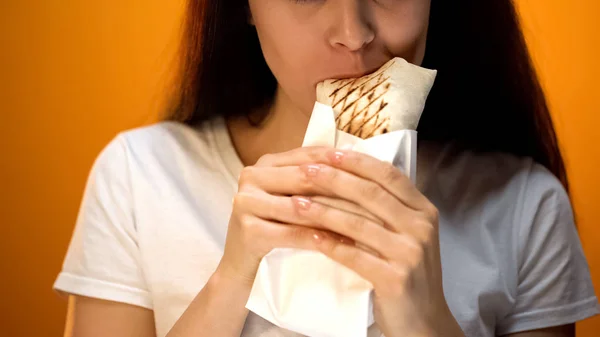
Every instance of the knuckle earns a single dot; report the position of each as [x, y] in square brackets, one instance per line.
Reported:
[354, 159]
[425, 231]
[305, 184]
[356, 224]
[416, 255]
[249, 228]
[432, 213]
[266, 160]
[334, 178]
[248, 223]
[296, 234]
[390, 173]
[396, 287]
[304, 188]
[331, 173]
[240, 200]
[246, 175]
[315, 154]
[320, 211]
[429, 232]
[370, 190]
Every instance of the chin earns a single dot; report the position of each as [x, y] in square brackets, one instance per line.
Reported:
[307, 108]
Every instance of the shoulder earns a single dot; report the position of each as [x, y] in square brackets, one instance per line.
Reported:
[161, 143]
[157, 152]
[497, 185]
[165, 136]
[492, 172]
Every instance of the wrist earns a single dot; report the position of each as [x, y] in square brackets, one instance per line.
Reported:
[442, 325]
[231, 277]
[223, 288]
[450, 326]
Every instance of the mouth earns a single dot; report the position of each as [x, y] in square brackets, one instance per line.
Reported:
[345, 75]
[352, 75]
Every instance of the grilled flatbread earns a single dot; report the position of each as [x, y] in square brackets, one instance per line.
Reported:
[390, 99]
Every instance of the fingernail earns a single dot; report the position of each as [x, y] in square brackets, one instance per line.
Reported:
[302, 203]
[311, 170]
[318, 237]
[336, 156]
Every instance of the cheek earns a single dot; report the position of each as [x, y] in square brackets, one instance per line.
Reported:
[290, 48]
[405, 33]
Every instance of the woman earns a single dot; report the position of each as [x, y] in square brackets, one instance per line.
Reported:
[484, 245]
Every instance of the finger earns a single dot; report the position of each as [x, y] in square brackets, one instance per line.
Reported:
[284, 180]
[295, 157]
[371, 235]
[368, 167]
[269, 207]
[368, 194]
[370, 267]
[277, 209]
[382, 173]
[347, 206]
[269, 235]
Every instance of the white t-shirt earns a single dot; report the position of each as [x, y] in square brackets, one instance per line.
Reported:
[152, 225]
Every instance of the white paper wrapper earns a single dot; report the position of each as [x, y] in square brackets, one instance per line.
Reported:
[305, 291]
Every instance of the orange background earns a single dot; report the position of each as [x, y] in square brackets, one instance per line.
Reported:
[73, 73]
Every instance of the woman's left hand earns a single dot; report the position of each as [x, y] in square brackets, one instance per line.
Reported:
[403, 256]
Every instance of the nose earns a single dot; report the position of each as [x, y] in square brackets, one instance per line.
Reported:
[350, 27]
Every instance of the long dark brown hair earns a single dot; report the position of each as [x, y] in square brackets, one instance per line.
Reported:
[486, 96]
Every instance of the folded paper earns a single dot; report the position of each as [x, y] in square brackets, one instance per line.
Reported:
[305, 291]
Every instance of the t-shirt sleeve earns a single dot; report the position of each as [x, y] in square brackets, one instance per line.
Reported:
[103, 258]
[554, 283]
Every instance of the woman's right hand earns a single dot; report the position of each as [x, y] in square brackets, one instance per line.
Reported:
[264, 216]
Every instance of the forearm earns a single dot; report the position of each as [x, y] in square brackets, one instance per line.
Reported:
[219, 309]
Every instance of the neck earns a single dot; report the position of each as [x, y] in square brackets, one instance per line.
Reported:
[282, 130]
